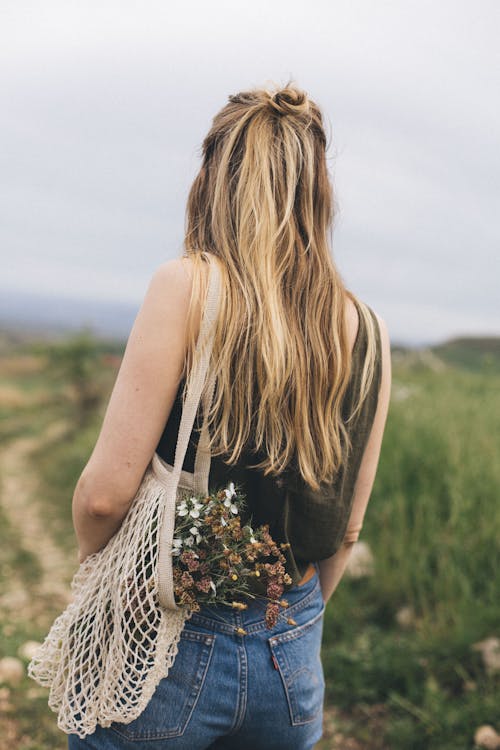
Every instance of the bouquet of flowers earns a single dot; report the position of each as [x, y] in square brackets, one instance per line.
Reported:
[215, 559]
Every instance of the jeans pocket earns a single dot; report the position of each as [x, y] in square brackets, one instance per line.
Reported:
[172, 704]
[297, 656]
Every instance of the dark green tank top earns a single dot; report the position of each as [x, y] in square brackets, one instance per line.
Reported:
[313, 522]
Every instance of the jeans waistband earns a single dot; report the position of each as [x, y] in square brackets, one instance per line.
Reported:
[223, 619]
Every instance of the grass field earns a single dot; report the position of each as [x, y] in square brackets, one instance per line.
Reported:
[400, 664]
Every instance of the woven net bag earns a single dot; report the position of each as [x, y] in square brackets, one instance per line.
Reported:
[106, 653]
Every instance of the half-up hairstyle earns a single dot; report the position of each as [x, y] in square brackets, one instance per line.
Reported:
[262, 204]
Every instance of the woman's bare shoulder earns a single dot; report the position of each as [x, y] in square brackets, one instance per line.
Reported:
[352, 321]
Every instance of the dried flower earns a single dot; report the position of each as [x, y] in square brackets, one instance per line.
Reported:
[272, 614]
[204, 584]
[274, 590]
[190, 559]
[215, 558]
[187, 580]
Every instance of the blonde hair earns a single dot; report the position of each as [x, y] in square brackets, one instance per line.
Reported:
[262, 204]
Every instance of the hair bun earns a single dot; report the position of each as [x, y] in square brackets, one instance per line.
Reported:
[289, 101]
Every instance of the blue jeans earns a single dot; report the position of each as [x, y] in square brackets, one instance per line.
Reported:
[228, 691]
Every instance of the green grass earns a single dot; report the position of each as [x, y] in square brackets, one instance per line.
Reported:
[35, 723]
[59, 463]
[433, 524]
[15, 560]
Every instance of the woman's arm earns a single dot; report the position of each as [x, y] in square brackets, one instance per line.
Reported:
[137, 411]
[332, 569]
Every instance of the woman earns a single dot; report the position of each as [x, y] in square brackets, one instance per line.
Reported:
[299, 408]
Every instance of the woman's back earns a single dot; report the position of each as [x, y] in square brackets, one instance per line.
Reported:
[313, 523]
[301, 373]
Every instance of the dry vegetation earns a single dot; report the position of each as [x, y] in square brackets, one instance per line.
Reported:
[410, 640]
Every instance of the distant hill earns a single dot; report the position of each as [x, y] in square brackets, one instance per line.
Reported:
[471, 352]
[467, 352]
[49, 315]
[29, 316]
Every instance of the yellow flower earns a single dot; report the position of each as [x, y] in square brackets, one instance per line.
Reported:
[234, 577]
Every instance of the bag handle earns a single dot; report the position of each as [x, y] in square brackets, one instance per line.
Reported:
[203, 348]
[204, 345]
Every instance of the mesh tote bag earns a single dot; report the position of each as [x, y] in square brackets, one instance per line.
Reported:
[106, 653]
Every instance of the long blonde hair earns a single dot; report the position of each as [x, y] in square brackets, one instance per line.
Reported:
[263, 205]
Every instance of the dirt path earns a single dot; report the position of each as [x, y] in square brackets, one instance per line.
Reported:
[18, 498]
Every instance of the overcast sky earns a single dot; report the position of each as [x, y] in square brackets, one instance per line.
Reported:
[105, 105]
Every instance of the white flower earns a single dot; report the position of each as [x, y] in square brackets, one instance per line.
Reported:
[229, 504]
[182, 509]
[253, 540]
[194, 531]
[176, 549]
[230, 492]
[189, 541]
[194, 513]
